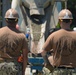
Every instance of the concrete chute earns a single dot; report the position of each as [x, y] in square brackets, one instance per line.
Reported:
[40, 16]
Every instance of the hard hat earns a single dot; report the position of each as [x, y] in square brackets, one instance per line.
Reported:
[65, 14]
[11, 13]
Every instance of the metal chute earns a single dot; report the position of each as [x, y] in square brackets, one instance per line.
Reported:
[39, 16]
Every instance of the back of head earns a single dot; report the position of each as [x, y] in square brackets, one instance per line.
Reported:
[11, 16]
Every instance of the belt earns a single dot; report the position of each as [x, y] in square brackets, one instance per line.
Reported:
[64, 67]
[7, 60]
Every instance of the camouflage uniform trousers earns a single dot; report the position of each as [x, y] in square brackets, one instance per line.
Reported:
[10, 68]
[60, 71]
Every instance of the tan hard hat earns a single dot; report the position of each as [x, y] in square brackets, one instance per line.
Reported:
[65, 14]
[11, 13]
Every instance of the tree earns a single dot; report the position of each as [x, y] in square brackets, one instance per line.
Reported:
[71, 5]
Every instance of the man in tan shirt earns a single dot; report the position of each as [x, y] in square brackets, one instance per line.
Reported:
[62, 44]
[12, 42]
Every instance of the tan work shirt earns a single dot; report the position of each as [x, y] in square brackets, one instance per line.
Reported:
[63, 44]
[12, 41]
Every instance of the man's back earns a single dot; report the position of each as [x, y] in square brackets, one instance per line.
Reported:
[11, 41]
[64, 47]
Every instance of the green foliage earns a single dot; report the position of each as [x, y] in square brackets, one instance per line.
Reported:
[63, 5]
[58, 25]
[10, 0]
[71, 4]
